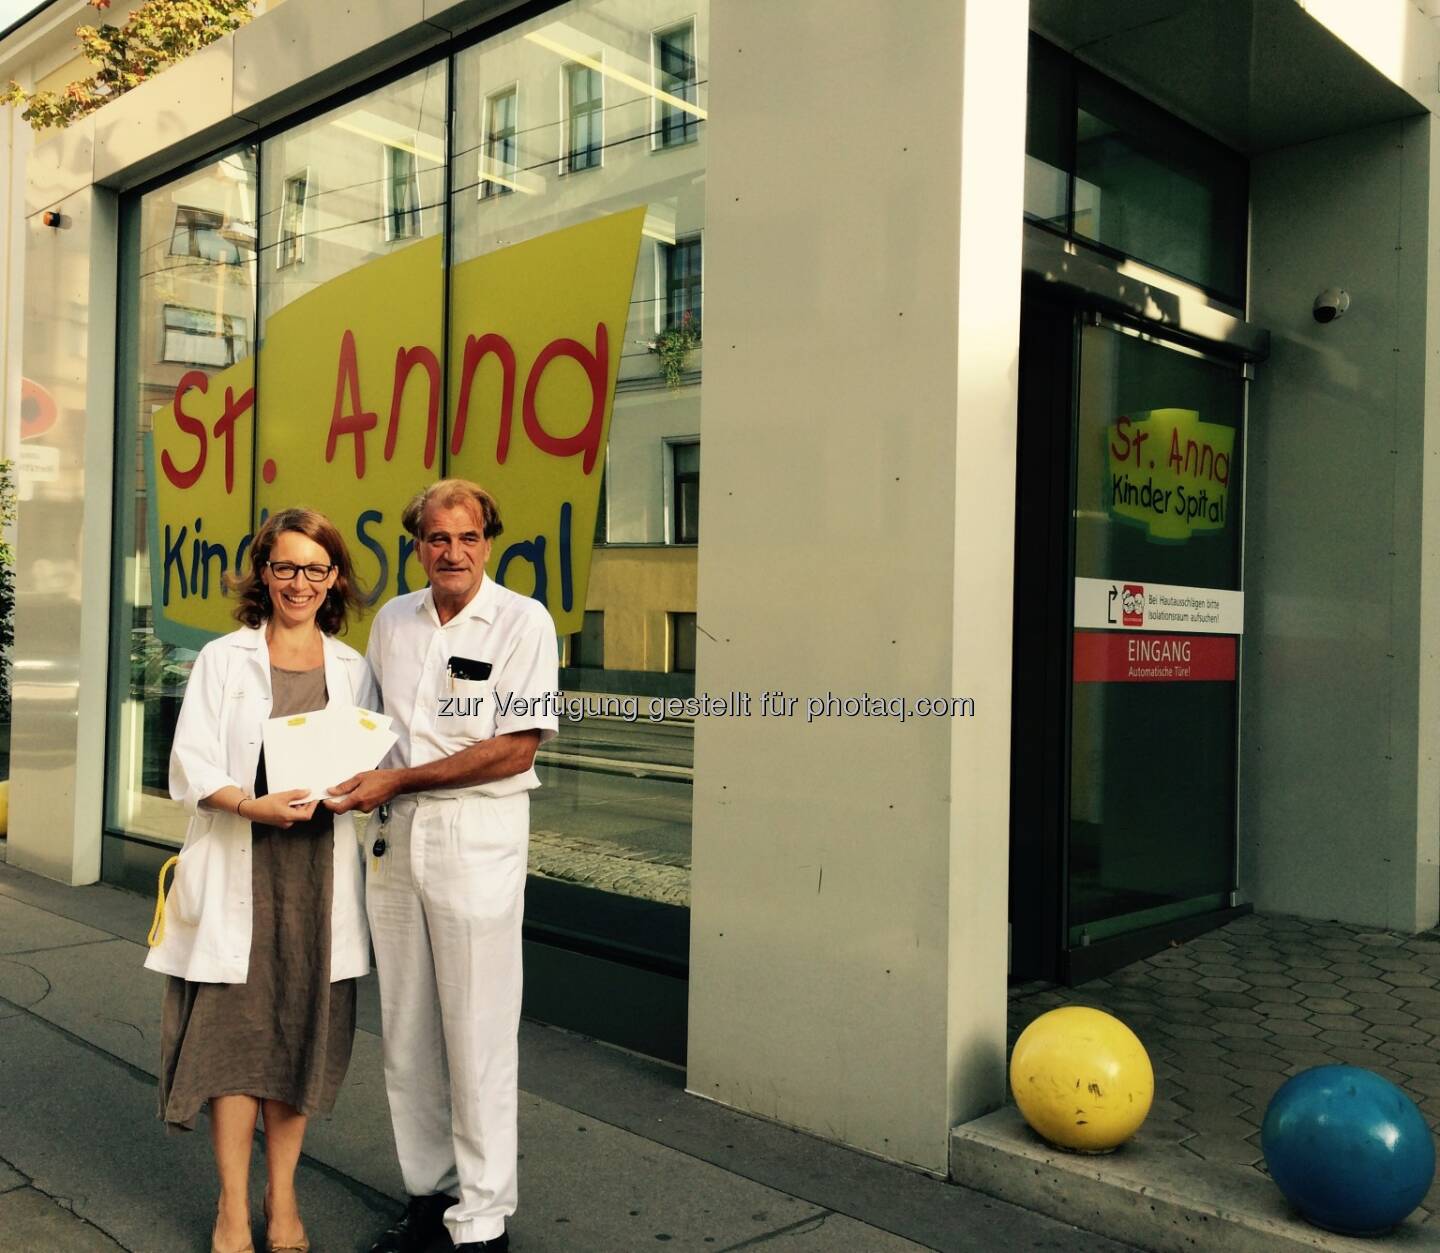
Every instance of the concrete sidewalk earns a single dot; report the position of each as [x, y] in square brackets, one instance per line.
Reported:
[615, 1156]
[1227, 1018]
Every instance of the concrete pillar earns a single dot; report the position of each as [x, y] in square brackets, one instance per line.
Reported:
[57, 756]
[862, 327]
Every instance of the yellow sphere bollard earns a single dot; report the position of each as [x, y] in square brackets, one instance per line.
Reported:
[1082, 1079]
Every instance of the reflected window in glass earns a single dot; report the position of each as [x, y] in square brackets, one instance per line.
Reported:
[677, 77]
[501, 111]
[402, 193]
[290, 246]
[586, 117]
[587, 646]
[201, 337]
[685, 468]
[683, 283]
[682, 636]
[602, 506]
[199, 233]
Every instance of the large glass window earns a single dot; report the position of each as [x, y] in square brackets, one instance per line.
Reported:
[1107, 166]
[187, 311]
[614, 811]
[1156, 189]
[327, 246]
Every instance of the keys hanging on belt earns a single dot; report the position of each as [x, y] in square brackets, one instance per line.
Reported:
[378, 848]
[382, 812]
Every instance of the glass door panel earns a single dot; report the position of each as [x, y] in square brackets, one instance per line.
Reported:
[1154, 694]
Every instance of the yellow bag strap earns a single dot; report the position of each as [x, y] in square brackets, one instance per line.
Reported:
[157, 924]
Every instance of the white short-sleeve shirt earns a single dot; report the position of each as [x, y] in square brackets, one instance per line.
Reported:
[492, 669]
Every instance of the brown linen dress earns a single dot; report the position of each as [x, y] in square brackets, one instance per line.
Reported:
[285, 1033]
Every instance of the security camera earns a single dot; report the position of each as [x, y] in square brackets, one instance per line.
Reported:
[1331, 303]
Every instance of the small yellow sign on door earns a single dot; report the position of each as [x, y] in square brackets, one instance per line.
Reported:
[1169, 472]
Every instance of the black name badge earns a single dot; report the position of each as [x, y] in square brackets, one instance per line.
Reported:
[469, 668]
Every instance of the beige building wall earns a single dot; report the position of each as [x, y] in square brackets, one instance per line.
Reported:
[637, 589]
[1338, 802]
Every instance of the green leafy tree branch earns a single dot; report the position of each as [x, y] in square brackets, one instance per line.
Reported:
[157, 34]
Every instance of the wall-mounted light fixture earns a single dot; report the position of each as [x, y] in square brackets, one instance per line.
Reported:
[53, 217]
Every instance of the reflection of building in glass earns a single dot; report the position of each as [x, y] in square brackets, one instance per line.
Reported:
[195, 276]
[588, 95]
[190, 284]
[558, 123]
[622, 105]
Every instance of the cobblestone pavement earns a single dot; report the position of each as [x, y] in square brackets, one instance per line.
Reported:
[1228, 1017]
[611, 866]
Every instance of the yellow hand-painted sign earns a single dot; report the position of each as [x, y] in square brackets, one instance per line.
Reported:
[1169, 472]
[350, 420]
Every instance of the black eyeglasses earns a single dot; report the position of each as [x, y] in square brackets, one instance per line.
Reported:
[285, 570]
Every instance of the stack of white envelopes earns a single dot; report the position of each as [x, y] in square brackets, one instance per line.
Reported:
[325, 747]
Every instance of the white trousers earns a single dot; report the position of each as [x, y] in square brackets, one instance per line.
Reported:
[445, 905]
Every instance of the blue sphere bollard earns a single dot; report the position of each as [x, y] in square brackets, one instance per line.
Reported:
[1348, 1149]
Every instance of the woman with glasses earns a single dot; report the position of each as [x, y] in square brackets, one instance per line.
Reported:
[263, 932]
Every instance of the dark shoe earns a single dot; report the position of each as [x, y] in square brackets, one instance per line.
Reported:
[422, 1223]
[496, 1244]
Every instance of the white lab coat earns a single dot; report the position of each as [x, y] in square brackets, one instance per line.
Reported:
[208, 912]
